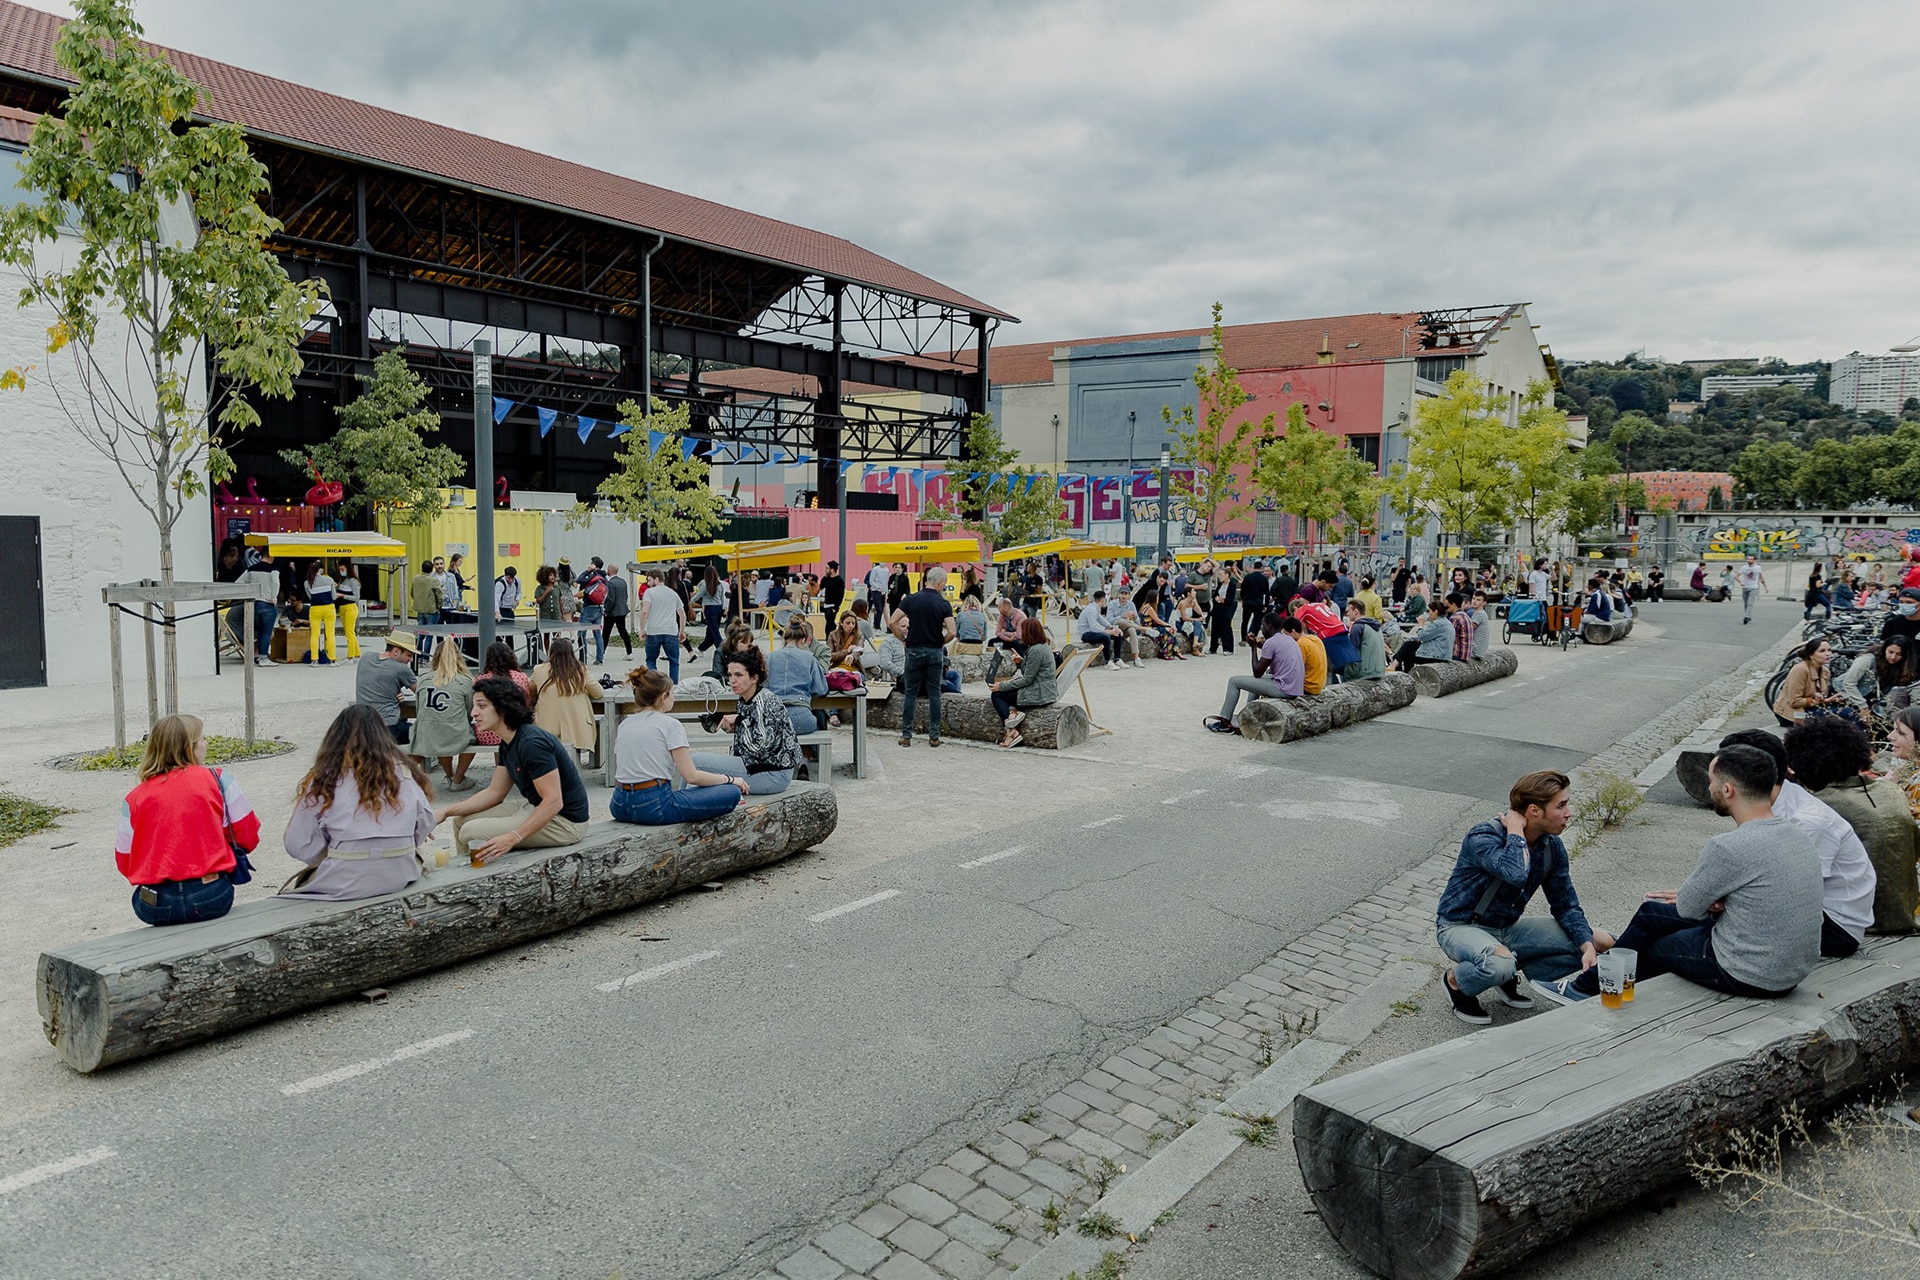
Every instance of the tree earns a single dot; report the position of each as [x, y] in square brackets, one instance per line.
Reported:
[1457, 467]
[1598, 491]
[1543, 462]
[168, 266]
[1716, 500]
[381, 454]
[1031, 508]
[654, 481]
[1209, 449]
[1766, 472]
[1314, 476]
[1898, 477]
[1630, 429]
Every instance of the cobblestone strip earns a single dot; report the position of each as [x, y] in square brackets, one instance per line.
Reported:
[995, 1203]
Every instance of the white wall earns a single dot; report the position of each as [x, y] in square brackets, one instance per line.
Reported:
[92, 530]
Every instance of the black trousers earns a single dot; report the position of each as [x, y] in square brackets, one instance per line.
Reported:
[608, 626]
[1835, 941]
[1222, 636]
[1404, 655]
[1250, 620]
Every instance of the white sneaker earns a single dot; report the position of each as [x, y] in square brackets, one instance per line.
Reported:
[261, 660]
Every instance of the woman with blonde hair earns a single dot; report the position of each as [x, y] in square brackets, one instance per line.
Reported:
[651, 751]
[360, 814]
[561, 705]
[443, 716]
[185, 830]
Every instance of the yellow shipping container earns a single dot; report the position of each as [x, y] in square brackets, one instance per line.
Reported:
[519, 539]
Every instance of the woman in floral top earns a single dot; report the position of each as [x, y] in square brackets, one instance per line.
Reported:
[765, 750]
[1904, 741]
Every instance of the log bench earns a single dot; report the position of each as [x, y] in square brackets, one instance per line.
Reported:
[1438, 679]
[966, 715]
[1594, 631]
[108, 1000]
[1290, 719]
[1462, 1159]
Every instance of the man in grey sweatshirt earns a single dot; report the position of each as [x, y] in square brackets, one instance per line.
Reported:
[1747, 921]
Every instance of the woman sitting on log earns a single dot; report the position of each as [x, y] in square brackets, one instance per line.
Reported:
[360, 814]
[1033, 687]
[186, 829]
[651, 750]
[443, 716]
[765, 749]
[560, 702]
[1431, 642]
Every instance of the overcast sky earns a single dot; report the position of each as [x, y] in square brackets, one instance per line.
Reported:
[1699, 179]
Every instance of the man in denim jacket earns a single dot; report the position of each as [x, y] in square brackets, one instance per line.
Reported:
[1481, 925]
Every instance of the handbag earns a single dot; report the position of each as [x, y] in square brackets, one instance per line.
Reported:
[992, 672]
[841, 680]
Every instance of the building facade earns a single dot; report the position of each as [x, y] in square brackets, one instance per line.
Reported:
[1738, 384]
[1874, 383]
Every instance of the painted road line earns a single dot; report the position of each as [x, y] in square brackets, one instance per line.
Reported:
[1185, 795]
[1103, 822]
[351, 1070]
[658, 971]
[993, 857]
[40, 1173]
[882, 896]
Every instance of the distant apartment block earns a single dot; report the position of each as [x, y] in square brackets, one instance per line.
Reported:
[1863, 383]
[1738, 384]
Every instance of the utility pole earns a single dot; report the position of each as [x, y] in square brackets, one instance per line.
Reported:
[1126, 490]
[483, 486]
[1163, 505]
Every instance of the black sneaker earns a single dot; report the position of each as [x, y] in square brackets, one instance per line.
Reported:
[1465, 1007]
[1511, 995]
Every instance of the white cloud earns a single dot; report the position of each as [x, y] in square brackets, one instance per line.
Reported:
[1711, 178]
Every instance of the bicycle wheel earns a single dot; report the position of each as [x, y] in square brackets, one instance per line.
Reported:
[1506, 633]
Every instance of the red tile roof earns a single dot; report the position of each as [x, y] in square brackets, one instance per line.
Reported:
[16, 126]
[1275, 344]
[309, 118]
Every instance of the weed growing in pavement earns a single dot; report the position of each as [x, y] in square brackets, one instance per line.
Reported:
[1405, 1008]
[1166, 1215]
[1028, 1117]
[1006, 1228]
[1256, 1131]
[1111, 1267]
[1102, 1175]
[1101, 1226]
[21, 817]
[1606, 801]
[1052, 1217]
[1266, 1049]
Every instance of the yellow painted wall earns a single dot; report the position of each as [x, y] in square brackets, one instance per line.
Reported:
[519, 540]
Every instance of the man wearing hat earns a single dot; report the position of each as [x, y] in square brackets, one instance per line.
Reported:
[1904, 622]
[378, 681]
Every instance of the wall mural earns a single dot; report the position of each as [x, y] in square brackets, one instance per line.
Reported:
[1787, 537]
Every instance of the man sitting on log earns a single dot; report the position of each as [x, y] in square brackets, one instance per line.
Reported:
[1482, 925]
[1747, 921]
[1482, 630]
[1279, 671]
[551, 808]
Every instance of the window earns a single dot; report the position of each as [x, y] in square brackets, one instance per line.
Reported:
[12, 191]
[1367, 447]
[1438, 368]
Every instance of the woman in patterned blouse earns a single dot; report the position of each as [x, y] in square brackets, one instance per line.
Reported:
[765, 750]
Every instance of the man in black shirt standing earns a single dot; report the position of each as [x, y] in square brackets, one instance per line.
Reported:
[1282, 590]
[1253, 601]
[929, 627]
[833, 589]
[550, 809]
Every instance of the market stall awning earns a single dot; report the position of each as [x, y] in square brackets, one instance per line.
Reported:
[330, 546]
[938, 551]
[1032, 550]
[685, 551]
[1080, 550]
[1230, 553]
[774, 553]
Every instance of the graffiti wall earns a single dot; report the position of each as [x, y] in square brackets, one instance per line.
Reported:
[1781, 537]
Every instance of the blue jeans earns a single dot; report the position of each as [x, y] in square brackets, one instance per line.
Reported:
[1103, 641]
[593, 615]
[672, 645]
[711, 615]
[179, 902]
[658, 806]
[426, 642]
[264, 616]
[922, 676]
[805, 720]
[1534, 943]
[759, 784]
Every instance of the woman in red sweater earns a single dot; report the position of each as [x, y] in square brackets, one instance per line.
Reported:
[181, 828]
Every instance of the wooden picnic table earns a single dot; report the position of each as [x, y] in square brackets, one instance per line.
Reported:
[619, 701]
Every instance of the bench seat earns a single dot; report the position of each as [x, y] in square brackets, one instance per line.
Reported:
[964, 715]
[111, 999]
[1290, 719]
[1438, 679]
[1594, 631]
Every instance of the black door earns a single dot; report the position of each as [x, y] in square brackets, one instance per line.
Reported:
[23, 635]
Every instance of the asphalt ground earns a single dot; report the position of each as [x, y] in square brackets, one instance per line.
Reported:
[797, 1043]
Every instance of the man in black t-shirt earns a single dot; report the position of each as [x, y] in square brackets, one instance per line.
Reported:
[535, 799]
[1253, 601]
[929, 627]
[833, 589]
[1904, 622]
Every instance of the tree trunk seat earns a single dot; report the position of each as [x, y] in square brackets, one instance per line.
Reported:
[1462, 1159]
[1594, 631]
[111, 999]
[1290, 719]
[971, 716]
[1438, 679]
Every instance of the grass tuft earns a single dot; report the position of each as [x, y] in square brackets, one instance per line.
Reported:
[21, 817]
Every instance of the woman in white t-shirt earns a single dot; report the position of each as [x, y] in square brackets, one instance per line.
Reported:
[650, 750]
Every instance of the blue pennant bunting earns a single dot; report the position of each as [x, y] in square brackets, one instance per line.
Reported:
[654, 440]
[974, 475]
[586, 427]
[844, 466]
[919, 477]
[547, 418]
[802, 459]
[687, 448]
[501, 408]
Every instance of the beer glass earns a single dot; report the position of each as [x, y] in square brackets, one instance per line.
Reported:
[1616, 977]
[473, 852]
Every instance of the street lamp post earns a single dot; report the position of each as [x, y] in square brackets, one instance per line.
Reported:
[1126, 488]
[1163, 505]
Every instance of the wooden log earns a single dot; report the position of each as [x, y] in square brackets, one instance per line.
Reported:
[1594, 631]
[1462, 1159]
[1691, 768]
[965, 715]
[112, 999]
[1438, 679]
[1290, 719]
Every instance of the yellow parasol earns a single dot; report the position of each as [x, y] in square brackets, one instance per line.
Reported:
[1032, 550]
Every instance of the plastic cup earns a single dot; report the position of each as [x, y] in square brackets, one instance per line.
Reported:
[1616, 977]
[439, 856]
[473, 852]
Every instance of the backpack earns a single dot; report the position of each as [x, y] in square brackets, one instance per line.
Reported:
[594, 586]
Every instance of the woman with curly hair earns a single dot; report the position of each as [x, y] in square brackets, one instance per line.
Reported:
[360, 814]
[560, 702]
